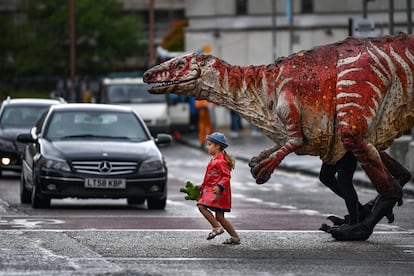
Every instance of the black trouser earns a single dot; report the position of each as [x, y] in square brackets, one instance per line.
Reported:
[342, 184]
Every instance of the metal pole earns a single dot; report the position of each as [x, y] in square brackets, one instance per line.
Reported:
[72, 51]
[291, 37]
[391, 14]
[274, 53]
[365, 8]
[409, 17]
[151, 32]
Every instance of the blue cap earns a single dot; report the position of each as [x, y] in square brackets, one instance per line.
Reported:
[218, 138]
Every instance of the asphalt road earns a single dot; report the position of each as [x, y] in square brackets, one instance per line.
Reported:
[277, 222]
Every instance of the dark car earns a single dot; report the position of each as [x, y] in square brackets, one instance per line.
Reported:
[93, 151]
[16, 116]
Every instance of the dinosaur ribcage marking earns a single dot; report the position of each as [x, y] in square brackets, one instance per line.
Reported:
[374, 89]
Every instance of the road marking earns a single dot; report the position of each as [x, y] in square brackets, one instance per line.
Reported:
[30, 223]
[411, 232]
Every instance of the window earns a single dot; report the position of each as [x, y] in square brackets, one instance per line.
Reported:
[307, 6]
[241, 7]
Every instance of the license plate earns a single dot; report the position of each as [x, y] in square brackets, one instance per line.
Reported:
[105, 183]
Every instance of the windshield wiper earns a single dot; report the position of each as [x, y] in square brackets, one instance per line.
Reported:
[96, 136]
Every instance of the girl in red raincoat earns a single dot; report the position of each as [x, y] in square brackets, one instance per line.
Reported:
[215, 189]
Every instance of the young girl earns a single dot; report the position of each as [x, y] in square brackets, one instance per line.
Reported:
[215, 189]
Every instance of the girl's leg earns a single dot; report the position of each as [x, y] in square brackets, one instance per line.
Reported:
[226, 224]
[208, 215]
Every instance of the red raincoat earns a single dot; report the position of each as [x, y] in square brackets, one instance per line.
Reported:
[217, 174]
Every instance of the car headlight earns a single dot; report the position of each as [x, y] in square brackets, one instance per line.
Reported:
[7, 145]
[151, 165]
[55, 164]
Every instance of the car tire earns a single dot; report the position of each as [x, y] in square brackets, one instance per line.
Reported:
[39, 202]
[25, 195]
[156, 203]
[135, 200]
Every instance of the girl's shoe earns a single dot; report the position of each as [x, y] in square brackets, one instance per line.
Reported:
[232, 240]
[216, 231]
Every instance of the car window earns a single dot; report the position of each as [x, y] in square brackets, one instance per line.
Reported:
[95, 125]
[132, 93]
[21, 116]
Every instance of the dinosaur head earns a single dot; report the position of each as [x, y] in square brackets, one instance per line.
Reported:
[188, 75]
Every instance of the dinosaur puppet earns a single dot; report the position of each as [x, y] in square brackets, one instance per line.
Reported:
[355, 95]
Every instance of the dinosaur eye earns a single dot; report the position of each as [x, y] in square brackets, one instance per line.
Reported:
[181, 65]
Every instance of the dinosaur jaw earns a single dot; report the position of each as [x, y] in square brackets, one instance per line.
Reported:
[183, 87]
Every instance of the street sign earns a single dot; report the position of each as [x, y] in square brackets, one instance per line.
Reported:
[363, 28]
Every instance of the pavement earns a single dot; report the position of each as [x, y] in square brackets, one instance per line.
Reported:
[247, 145]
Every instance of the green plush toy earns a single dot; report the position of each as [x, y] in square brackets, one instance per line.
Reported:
[193, 192]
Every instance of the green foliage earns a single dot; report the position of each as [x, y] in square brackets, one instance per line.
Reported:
[26, 94]
[193, 192]
[104, 36]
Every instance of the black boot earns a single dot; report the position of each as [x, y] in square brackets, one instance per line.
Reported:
[363, 230]
[363, 212]
[370, 205]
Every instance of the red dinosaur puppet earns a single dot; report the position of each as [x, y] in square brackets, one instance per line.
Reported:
[355, 95]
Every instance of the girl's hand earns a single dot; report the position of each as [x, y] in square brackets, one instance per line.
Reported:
[216, 190]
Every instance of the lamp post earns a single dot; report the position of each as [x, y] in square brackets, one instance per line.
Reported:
[151, 33]
[72, 50]
[409, 17]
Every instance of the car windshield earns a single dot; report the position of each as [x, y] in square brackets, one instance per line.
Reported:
[132, 93]
[86, 125]
[20, 116]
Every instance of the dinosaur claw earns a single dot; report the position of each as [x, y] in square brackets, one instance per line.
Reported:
[336, 220]
[346, 232]
[254, 172]
[260, 174]
[262, 180]
[253, 162]
[363, 230]
[325, 228]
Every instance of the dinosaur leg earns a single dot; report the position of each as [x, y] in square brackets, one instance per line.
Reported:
[262, 171]
[401, 174]
[288, 110]
[371, 162]
[398, 171]
[390, 192]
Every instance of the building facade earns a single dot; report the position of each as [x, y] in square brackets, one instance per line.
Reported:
[255, 32]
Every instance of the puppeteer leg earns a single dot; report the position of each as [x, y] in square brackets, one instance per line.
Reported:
[389, 190]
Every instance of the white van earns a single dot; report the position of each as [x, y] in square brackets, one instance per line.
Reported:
[157, 111]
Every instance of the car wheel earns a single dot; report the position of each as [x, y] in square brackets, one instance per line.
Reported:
[135, 200]
[38, 201]
[25, 195]
[157, 203]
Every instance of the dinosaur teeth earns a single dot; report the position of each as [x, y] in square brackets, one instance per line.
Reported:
[166, 83]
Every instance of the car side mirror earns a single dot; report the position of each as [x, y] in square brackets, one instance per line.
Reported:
[25, 138]
[163, 139]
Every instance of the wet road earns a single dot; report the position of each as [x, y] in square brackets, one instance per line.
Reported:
[277, 221]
